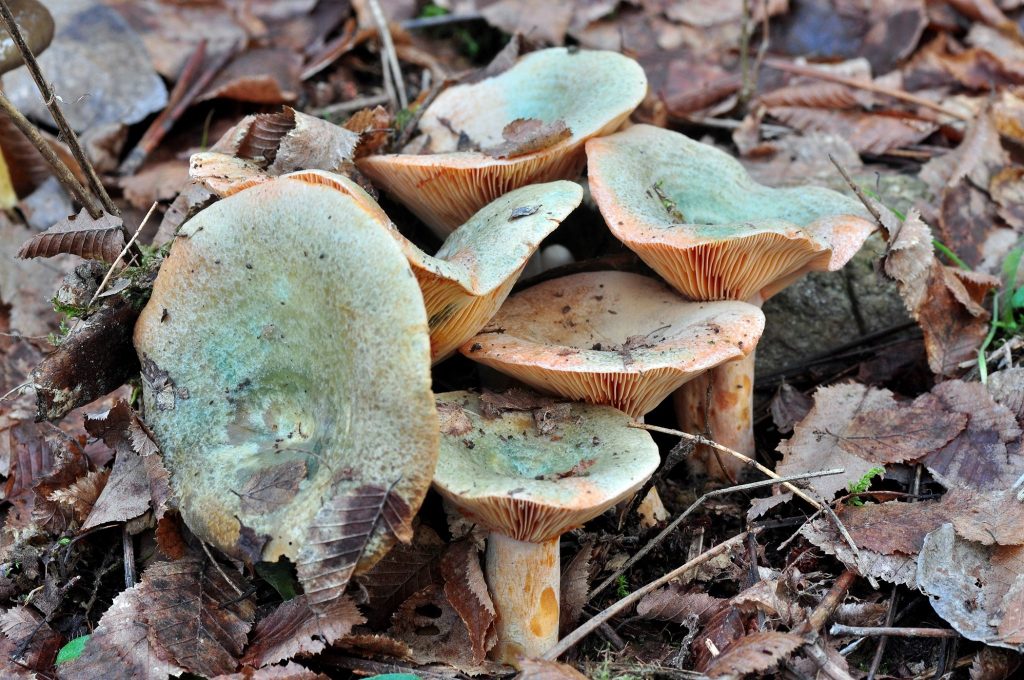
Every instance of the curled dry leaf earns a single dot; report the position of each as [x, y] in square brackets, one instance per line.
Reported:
[406, 569]
[979, 590]
[289, 670]
[119, 648]
[27, 640]
[1007, 388]
[724, 628]
[755, 653]
[81, 496]
[873, 133]
[194, 616]
[261, 75]
[290, 140]
[992, 517]
[679, 604]
[466, 590]
[527, 135]
[293, 629]
[575, 588]
[93, 239]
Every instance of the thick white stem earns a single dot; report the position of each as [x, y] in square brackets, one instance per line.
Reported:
[729, 416]
[524, 582]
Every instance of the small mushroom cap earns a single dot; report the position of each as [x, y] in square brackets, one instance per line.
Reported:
[693, 214]
[592, 92]
[36, 24]
[286, 365]
[613, 338]
[531, 486]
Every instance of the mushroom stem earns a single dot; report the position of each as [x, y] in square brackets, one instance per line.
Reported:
[729, 415]
[523, 578]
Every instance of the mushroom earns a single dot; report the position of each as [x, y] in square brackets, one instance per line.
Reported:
[549, 103]
[693, 214]
[286, 372]
[476, 267]
[36, 25]
[528, 488]
[613, 338]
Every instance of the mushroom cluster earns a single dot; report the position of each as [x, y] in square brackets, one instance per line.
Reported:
[289, 340]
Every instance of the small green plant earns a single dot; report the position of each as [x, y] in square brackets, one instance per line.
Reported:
[432, 10]
[863, 484]
[621, 586]
[72, 650]
[1007, 310]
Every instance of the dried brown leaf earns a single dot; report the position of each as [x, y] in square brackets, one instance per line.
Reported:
[92, 239]
[156, 182]
[195, 616]
[376, 646]
[677, 603]
[541, 669]
[170, 537]
[290, 670]
[466, 590]
[339, 534]
[271, 487]
[788, 407]
[724, 628]
[374, 128]
[979, 590]
[544, 22]
[126, 494]
[754, 653]
[909, 256]
[874, 133]
[976, 158]
[1007, 190]
[897, 568]
[992, 517]
[261, 75]
[773, 597]
[293, 629]
[951, 316]
[527, 135]
[759, 506]
[119, 648]
[994, 664]
[81, 496]
[28, 639]
[816, 443]
[894, 527]
[406, 569]
[575, 588]
[1007, 388]
[902, 433]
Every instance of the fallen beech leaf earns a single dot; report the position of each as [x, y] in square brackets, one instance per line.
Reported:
[466, 590]
[986, 11]
[92, 239]
[873, 133]
[816, 443]
[901, 433]
[788, 407]
[952, 317]
[541, 669]
[754, 653]
[897, 568]
[293, 629]
[170, 537]
[894, 527]
[1007, 388]
[908, 258]
[272, 486]
[155, 182]
[69, 465]
[126, 494]
[373, 127]
[575, 588]
[81, 496]
[290, 140]
[119, 649]
[992, 517]
[339, 534]
[261, 75]
[994, 664]
[724, 628]
[527, 135]
[978, 590]
[1007, 190]
[773, 597]
[28, 640]
[976, 157]
[987, 456]
[376, 646]
[677, 603]
[453, 418]
[543, 22]
[406, 569]
[759, 506]
[290, 670]
[194, 616]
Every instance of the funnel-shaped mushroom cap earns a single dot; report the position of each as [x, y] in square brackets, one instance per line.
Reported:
[613, 338]
[36, 25]
[531, 486]
[287, 372]
[590, 92]
[696, 217]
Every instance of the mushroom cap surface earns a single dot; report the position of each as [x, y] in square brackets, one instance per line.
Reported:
[531, 486]
[36, 24]
[693, 214]
[592, 92]
[286, 368]
[612, 338]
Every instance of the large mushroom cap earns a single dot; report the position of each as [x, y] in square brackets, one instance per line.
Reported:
[531, 486]
[36, 25]
[613, 338]
[591, 92]
[693, 214]
[286, 365]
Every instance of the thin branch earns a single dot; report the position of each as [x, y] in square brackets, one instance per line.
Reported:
[736, 454]
[442, 20]
[7, 18]
[566, 643]
[62, 172]
[857, 190]
[128, 549]
[892, 631]
[901, 95]
[106, 279]
[220, 570]
[393, 81]
[664, 533]
[841, 528]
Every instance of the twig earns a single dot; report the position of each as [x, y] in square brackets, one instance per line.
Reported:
[7, 17]
[746, 89]
[892, 631]
[430, 22]
[63, 173]
[841, 528]
[869, 86]
[857, 190]
[128, 548]
[113, 265]
[351, 105]
[566, 643]
[736, 454]
[15, 389]
[216, 565]
[393, 81]
[414, 122]
[664, 533]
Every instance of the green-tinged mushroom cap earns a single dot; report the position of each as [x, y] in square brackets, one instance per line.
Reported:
[287, 371]
[532, 485]
[696, 217]
[525, 125]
